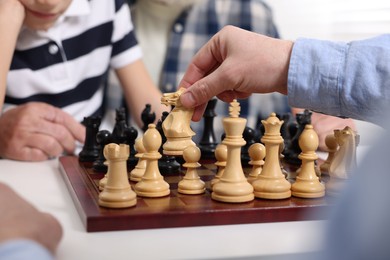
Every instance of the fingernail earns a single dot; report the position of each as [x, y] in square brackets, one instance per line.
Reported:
[187, 99]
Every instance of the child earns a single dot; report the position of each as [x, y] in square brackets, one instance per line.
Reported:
[62, 50]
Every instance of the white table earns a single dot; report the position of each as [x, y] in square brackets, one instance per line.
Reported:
[41, 183]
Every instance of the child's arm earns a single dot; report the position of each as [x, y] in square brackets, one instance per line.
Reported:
[11, 20]
[139, 90]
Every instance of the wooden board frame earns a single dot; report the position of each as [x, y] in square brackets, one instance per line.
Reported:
[177, 210]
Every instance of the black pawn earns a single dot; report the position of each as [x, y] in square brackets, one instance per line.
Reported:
[103, 138]
[167, 164]
[147, 117]
[90, 151]
[292, 152]
[208, 141]
[130, 136]
[249, 136]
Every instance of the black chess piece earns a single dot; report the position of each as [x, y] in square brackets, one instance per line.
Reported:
[249, 136]
[167, 164]
[147, 117]
[118, 133]
[90, 151]
[103, 137]
[293, 150]
[131, 134]
[208, 141]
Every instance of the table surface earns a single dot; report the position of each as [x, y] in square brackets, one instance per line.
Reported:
[42, 184]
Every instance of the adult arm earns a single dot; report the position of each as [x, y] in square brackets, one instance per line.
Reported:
[342, 79]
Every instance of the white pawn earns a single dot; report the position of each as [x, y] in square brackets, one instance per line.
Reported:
[152, 183]
[307, 184]
[139, 170]
[191, 183]
[221, 156]
[257, 155]
[117, 192]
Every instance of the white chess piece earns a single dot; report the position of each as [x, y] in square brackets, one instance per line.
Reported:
[191, 183]
[117, 192]
[233, 186]
[271, 183]
[152, 183]
[307, 184]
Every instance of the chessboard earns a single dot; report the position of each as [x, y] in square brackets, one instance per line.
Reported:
[179, 210]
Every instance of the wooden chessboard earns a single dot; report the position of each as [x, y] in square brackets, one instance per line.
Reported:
[177, 210]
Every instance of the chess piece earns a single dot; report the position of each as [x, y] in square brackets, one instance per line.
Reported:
[208, 142]
[292, 152]
[117, 192]
[232, 186]
[131, 134]
[118, 133]
[139, 170]
[281, 158]
[221, 157]
[191, 182]
[257, 154]
[344, 160]
[147, 117]
[271, 183]
[167, 164]
[307, 184]
[249, 136]
[176, 126]
[90, 151]
[103, 137]
[331, 144]
[152, 183]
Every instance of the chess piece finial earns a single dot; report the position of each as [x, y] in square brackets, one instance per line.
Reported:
[271, 183]
[176, 126]
[234, 108]
[233, 186]
[191, 183]
[152, 183]
[307, 184]
[257, 155]
[117, 192]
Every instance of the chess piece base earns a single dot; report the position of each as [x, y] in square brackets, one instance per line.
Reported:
[232, 192]
[117, 199]
[191, 187]
[307, 189]
[266, 188]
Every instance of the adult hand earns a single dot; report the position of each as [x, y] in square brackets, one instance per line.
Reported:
[37, 131]
[20, 220]
[234, 64]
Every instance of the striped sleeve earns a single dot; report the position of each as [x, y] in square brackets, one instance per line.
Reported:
[125, 46]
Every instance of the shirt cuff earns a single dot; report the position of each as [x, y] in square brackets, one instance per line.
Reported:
[315, 75]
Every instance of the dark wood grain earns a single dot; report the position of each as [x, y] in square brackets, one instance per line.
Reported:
[178, 210]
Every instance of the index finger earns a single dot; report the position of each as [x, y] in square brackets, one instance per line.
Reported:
[74, 127]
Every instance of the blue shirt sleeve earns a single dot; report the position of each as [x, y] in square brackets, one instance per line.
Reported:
[342, 79]
[23, 250]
